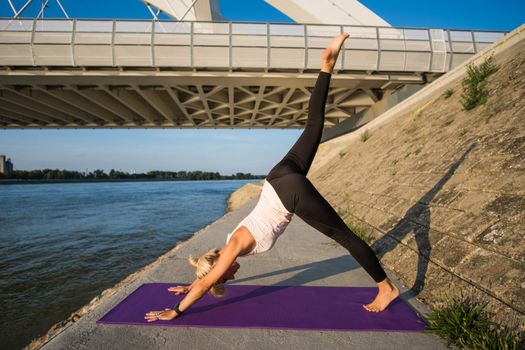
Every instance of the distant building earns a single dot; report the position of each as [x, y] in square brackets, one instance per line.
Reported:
[5, 165]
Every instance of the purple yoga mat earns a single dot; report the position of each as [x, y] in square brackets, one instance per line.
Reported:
[280, 307]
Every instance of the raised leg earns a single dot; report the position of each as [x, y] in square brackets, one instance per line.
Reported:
[299, 158]
[302, 153]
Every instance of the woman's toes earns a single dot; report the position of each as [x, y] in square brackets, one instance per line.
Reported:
[369, 307]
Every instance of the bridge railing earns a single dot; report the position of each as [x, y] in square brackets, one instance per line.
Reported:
[232, 45]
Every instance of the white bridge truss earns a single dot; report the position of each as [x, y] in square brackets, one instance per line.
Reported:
[82, 73]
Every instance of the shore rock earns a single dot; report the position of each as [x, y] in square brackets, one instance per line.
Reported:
[243, 195]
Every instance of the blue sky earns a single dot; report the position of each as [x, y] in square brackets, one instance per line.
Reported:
[226, 151]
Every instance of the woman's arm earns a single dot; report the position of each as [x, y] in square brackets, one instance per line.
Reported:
[183, 289]
[226, 258]
[193, 284]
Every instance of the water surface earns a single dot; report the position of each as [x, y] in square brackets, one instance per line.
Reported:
[62, 244]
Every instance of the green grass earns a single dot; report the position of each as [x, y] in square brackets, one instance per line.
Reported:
[417, 113]
[448, 93]
[475, 83]
[360, 231]
[463, 132]
[449, 121]
[417, 151]
[365, 136]
[465, 323]
[492, 110]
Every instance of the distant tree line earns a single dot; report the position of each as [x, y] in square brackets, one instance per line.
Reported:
[56, 174]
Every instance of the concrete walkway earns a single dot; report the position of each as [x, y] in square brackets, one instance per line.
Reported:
[301, 256]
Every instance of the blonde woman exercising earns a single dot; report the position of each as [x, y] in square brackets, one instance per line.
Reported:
[286, 191]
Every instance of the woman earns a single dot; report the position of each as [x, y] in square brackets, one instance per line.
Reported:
[286, 191]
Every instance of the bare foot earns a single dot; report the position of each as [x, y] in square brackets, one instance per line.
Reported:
[332, 50]
[387, 293]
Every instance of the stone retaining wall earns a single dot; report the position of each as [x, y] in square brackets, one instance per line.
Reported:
[443, 192]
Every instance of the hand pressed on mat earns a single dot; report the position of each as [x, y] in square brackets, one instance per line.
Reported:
[179, 289]
[166, 315]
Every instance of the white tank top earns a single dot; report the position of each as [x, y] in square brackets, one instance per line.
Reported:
[267, 221]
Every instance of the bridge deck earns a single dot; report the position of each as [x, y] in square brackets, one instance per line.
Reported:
[87, 73]
[230, 45]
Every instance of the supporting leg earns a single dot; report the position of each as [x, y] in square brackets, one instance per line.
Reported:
[315, 210]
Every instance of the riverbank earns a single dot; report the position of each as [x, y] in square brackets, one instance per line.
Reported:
[234, 201]
[244, 194]
[78, 314]
[58, 242]
[302, 256]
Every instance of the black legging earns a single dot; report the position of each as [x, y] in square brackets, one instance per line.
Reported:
[299, 196]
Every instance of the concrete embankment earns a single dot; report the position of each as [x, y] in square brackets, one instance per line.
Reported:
[443, 189]
[302, 256]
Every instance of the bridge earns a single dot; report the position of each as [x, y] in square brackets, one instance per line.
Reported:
[120, 73]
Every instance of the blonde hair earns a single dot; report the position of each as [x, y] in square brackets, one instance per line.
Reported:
[203, 266]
